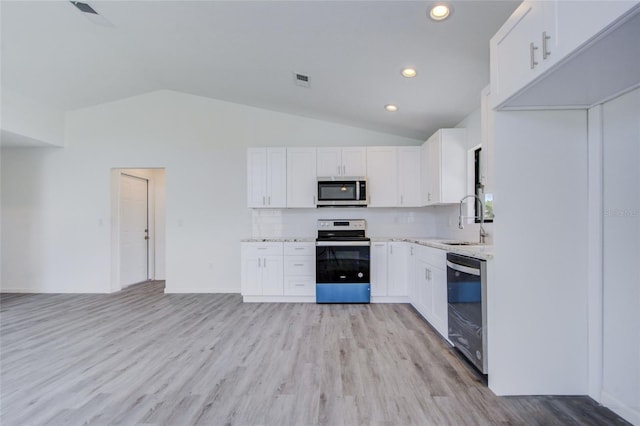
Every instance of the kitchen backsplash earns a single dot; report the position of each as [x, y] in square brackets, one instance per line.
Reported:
[432, 222]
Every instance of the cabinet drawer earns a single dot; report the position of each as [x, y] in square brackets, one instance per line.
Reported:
[262, 249]
[300, 286]
[300, 249]
[433, 256]
[300, 265]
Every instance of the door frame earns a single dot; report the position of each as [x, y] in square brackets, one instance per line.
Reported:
[115, 222]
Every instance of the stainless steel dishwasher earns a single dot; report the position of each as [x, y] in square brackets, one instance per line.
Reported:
[467, 309]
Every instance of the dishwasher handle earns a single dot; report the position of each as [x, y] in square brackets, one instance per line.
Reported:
[463, 269]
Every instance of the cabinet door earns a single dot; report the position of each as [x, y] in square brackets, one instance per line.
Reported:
[451, 181]
[486, 140]
[354, 161]
[516, 51]
[577, 22]
[439, 300]
[422, 284]
[256, 177]
[276, 177]
[382, 177]
[409, 176]
[397, 262]
[433, 177]
[272, 276]
[301, 177]
[251, 275]
[378, 269]
[329, 162]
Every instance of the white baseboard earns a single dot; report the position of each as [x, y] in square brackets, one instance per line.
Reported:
[189, 290]
[389, 299]
[43, 291]
[279, 299]
[630, 414]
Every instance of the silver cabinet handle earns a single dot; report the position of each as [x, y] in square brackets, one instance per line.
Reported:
[545, 51]
[299, 248]
[426, 274]
[411, 250]
[298, 264]
[258, 262]
[532, 55]
[344, 170]
[299, 285]
[264, 202]
[264, 262]
[338, 169]
[269, 200]
[390, 249]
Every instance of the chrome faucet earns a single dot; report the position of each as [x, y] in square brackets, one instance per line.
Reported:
[461, 218]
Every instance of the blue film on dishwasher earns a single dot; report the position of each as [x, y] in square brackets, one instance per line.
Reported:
[464, 292]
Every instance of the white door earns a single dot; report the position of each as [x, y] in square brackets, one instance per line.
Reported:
[133, 230]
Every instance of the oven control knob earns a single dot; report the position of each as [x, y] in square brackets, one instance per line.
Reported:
[360, 275]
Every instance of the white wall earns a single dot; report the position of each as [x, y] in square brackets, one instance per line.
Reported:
[537, 299]
[26, 122]
[621, 250]
[56, 203]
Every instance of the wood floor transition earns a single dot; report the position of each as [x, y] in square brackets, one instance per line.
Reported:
[144, 357]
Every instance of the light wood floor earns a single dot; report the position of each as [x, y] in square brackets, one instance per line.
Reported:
[143, 357]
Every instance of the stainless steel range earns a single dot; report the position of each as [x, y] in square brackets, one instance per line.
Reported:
[342, 262]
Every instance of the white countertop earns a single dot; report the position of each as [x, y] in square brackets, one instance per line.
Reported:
[480, 251]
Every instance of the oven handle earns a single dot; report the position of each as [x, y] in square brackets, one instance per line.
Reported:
[342, 243]
[463, 269]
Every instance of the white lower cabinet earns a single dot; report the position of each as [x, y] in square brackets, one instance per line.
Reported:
[299, 269]
[262, 269]
[430, 298]
[398, 262]
[378, 269]
[275, 271]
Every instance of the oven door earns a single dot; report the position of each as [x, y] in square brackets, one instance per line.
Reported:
[342, 272]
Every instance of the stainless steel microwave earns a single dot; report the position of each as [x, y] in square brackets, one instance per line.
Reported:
[342, 192]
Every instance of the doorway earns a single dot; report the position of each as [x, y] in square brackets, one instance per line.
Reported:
[138, 226]
[134, 229]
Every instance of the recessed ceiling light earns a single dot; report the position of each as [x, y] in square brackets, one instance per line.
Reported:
[391, 108]
[440, 12]
[409, 72]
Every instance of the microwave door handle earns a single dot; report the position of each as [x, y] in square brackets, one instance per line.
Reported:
[357, 191]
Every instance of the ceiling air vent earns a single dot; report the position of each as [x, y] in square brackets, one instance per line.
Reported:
[301, 79]
[83, 7]
[91, 14]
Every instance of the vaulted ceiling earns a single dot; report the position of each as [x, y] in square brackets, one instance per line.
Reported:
[248, 51]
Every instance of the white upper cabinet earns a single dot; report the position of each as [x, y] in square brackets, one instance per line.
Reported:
[266, 177]
[393, 176]
[486, 141]
[301, 177]
[382, 176]
[558, 53]
[444, 160]
[522, 49]
[342, 162]
[409, 188]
